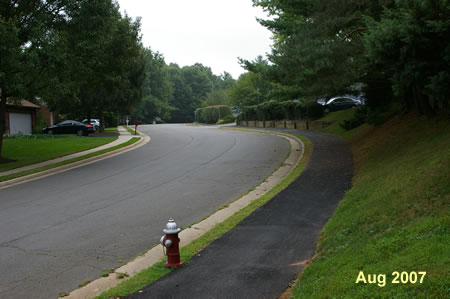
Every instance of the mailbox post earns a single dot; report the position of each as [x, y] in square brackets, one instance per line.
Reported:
[136, 124]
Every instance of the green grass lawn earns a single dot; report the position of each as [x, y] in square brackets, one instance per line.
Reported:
[112, 130]
[31, 151]
[396, 218]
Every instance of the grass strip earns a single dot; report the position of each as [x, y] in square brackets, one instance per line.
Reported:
[130, 130]
[158, 270]
[35, 170]
[112, 130]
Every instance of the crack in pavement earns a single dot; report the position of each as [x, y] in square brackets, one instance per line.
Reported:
[30, 252]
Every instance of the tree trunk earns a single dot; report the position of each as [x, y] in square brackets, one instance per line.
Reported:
[423, 106]
[2, 119]
[102, 121]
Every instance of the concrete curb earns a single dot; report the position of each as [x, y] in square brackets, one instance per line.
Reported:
[190, 234]
[34, 176]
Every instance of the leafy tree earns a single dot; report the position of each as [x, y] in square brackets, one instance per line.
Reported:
[324, 47]
[251, 89]
[199, 80]
[27, 31]
[318, 45]
[223, 81]
[276, 90]
[409, 44]
[216, 97]
[191, 86]
[181, 98]
[104, 58]
[157, 89]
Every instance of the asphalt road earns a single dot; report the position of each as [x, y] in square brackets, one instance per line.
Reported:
[264, 253]
[62, 230]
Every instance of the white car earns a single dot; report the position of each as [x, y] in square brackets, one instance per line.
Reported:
[94, 122]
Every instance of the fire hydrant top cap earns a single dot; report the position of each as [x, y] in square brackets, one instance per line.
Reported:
[171, 227]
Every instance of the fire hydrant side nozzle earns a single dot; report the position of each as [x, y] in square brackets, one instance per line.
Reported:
[171, 242]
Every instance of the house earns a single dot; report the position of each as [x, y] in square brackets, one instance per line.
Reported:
[20, 117]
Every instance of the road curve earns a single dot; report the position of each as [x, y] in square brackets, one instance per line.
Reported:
[265, 252]
[62, 230]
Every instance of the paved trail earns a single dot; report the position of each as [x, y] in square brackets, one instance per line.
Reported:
[266, 251]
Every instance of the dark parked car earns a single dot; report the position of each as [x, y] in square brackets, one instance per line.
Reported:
[341, 103]
[70, 127]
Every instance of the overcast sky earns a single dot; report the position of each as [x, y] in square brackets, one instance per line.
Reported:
[212, 32]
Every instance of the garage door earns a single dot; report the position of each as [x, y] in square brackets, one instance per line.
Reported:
[19, 123]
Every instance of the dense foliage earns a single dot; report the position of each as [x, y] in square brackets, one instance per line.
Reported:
[172, 93]
[102, 62]
[396, 49]
[212, 114]
[286, 110]
[157, 90]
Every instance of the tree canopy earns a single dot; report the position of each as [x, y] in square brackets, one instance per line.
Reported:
[397, 49]
[104, 59]
[27, 34]
[157, 90]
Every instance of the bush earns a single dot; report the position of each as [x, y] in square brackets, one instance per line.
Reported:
[359, 117]
[212, 114]
[40, 123]
[288, 110]
[293, 110]
[250, 112]
[198, 115]
[226, 120]
[315, 110]
[273, 110]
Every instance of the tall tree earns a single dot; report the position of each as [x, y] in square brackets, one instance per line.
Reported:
[191, 86]
[318, 44]
[157, 89]
[217, 97]
[181, 96]
[324, 47]
[251, 89]
[27, 31]
[224, 81]
[104, 58]
[409, 46]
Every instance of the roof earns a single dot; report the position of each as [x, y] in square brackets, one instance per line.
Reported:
[23, 103]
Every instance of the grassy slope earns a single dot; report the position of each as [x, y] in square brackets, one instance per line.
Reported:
[30, 151]
[395, 218]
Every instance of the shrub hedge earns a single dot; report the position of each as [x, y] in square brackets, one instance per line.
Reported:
[359, 117]
[287, 110]
[226, 120]
[212, 114]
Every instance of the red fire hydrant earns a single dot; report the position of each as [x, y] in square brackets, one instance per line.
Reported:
[171, 242]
